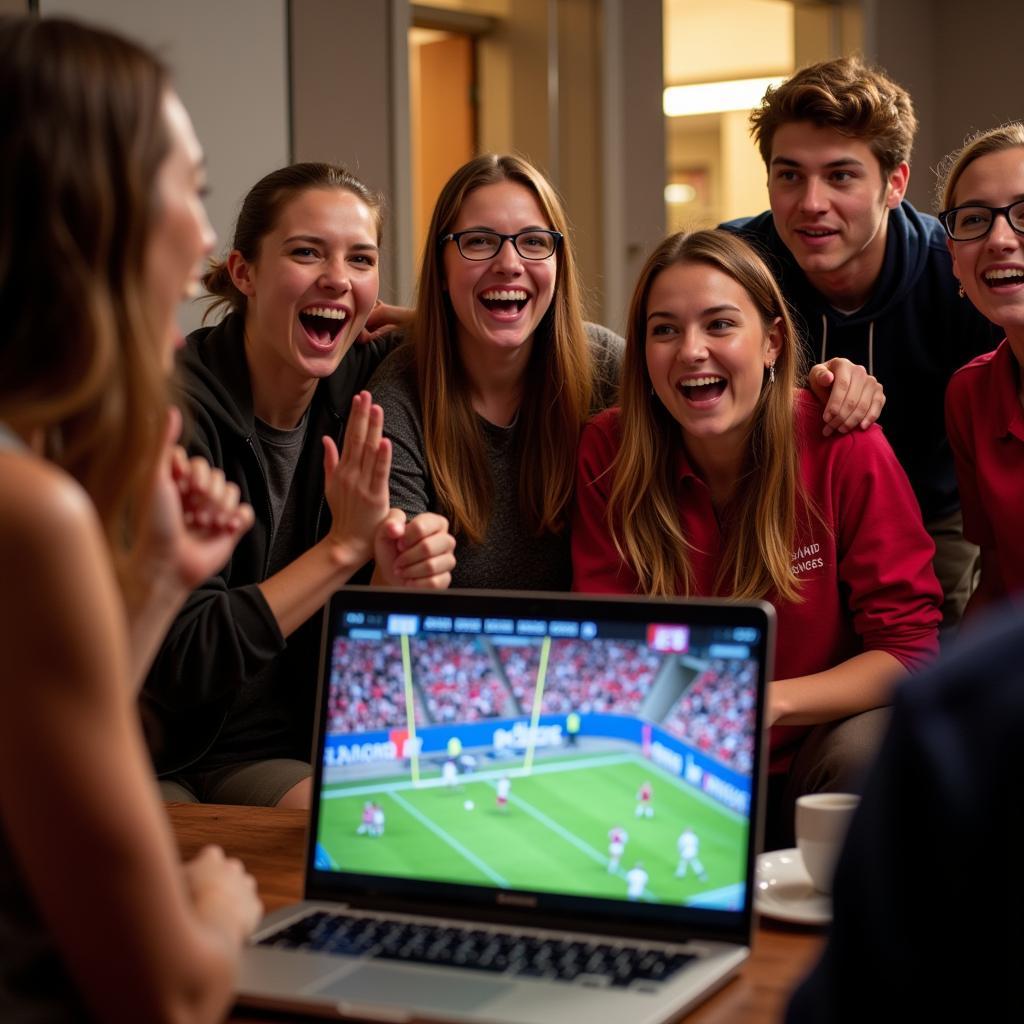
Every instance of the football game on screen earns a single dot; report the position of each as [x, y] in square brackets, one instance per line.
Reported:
[606, 759]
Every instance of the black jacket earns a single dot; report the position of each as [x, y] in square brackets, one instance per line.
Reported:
[927, 898]
[226, 632]
[912, 334]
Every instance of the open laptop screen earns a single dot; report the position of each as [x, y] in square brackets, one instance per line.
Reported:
[570, 755]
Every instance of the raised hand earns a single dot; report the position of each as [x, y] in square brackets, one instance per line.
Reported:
[356, 482]
[852, 397]
[420, 553]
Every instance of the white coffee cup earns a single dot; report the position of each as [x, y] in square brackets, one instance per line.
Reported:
[821, 823]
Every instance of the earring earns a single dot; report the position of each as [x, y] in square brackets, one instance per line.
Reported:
[771, 373]
[960, 291]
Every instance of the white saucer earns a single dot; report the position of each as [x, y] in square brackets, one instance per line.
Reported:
[782, 889]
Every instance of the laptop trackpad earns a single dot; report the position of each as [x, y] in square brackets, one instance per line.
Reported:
[419, 989]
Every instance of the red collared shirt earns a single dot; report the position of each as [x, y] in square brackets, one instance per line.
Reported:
[985, 422]
[864, 563]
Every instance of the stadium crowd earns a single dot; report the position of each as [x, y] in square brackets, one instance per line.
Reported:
[458, 680]
[610, 676]
[707, 713]
[367, 688]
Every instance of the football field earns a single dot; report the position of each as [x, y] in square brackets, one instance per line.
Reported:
[551, 836]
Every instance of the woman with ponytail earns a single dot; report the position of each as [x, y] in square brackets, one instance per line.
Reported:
[273, 393]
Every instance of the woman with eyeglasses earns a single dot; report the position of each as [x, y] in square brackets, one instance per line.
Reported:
[485, 404]
[713, 479]
[981, 192]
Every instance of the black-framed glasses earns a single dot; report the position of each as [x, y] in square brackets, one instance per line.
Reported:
[477, 244]
[967, 223]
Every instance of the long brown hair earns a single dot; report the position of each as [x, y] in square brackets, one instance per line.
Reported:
[82, 137]
[557, 390]
[759, 522]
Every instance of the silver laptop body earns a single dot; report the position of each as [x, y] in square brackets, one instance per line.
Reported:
[526, 808]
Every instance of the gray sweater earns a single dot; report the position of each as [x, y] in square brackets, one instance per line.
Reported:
[509, 557]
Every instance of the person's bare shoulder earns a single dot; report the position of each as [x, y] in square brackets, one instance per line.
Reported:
[44, 511]
[58, 573]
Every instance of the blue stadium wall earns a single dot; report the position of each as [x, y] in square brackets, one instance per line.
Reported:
[710, 776]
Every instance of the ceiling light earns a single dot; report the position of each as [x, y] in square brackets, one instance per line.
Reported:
[717, 97]
[678, 193]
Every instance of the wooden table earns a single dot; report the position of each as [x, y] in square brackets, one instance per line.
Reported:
[271, 842]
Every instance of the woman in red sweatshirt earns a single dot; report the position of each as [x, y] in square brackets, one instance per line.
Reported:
[983, 214]
[713, 478]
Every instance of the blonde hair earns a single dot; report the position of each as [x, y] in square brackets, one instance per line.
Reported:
[994, 140]
[82, 138]
[556, 393]
[759, 523]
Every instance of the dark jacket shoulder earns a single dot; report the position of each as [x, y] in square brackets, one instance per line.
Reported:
[930, 854]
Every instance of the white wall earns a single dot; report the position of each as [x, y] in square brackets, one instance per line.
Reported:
[229, 60]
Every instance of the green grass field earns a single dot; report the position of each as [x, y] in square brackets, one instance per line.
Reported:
[553, 835]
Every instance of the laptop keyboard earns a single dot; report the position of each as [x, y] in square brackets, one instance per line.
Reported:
[497, 952]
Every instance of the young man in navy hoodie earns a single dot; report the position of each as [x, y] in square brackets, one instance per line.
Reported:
[868, 277]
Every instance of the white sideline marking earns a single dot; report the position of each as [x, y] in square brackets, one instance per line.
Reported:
[451, 841]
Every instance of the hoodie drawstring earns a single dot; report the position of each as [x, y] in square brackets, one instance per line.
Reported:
[871, 342]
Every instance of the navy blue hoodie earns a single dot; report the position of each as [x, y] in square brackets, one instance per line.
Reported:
[912, 334]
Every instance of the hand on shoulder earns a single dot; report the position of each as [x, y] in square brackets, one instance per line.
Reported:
[383, 320]
[852, 397]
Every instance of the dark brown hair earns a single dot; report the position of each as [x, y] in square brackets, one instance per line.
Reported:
[845, 94]
[261, 210]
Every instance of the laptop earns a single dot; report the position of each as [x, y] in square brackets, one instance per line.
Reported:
[526, 808]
